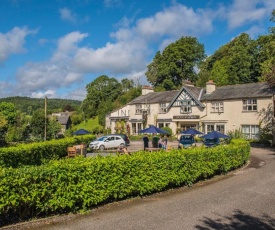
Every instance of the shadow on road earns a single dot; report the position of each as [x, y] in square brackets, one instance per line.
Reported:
[238, 220]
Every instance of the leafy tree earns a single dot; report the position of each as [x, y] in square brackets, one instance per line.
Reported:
[38, 124]
[102, 89]
[177, 62]
[126, 85]
[267, 54]
[103, 109]
[233, 63]
[68, 108]
[8, 111]
[53, 128]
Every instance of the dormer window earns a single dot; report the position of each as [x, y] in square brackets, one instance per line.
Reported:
[186, 106]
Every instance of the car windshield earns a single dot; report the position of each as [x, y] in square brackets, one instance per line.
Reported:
[211, 141]
[101, 138]
[186, 139]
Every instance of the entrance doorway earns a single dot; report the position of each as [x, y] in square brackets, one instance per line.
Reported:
[184, 127]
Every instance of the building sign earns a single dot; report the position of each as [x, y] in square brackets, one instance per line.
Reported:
[187, 117]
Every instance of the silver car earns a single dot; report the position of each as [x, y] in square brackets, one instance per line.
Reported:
[107, 142]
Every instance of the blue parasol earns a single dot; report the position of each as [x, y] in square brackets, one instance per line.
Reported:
[81, 132]
[191, 131]
[153, 129]
[214, 134]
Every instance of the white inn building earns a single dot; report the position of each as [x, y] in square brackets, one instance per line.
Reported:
[223, 109]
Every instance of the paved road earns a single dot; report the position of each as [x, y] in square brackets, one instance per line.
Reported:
[244, 199]
[135, 146]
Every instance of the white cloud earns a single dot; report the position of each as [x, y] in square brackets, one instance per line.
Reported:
[242, 12]
[255, 31]
[35, 77]
[48, 93]
[67, 46]
[67, 15]
[78, 94]
[13, 42]
[176, 21]
[131, 49]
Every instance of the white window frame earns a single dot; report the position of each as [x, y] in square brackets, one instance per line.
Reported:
[186, 106]
[250, 105]
[217, 107]
[147, 108]
[139, 109]
[162, 108]
[251, 131]
[220, 127]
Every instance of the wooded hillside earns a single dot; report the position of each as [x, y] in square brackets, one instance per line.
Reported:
[29, 105]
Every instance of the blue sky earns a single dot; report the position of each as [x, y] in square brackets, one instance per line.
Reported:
[54, 48]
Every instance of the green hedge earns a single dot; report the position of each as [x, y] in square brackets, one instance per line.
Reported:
[70, 185]
[36, 153]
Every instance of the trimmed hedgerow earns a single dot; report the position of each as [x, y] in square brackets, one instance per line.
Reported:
[70, 185]
[36, 153]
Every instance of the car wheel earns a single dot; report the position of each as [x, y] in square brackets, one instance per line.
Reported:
[101, 147]
[122, 145]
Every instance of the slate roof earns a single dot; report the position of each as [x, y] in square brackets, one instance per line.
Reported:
[155, 97]
[239, 91]
[63, 120]
[249, 90]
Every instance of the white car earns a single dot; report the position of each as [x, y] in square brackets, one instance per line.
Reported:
[107, 142]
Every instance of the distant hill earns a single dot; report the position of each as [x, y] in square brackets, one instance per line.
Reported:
[28, 105]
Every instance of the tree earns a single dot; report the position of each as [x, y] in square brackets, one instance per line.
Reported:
[53, 128]
[68, 108]
[102, 89]
[233, 63]
[126, 85]
[38, 124]
[177, 62]
[9, 112]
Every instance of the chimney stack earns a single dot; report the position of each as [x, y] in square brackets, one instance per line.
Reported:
[147, 89]
[210, 87]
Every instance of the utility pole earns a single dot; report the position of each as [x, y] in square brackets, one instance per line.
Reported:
[45, 128]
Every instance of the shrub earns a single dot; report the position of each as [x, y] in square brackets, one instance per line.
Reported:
[70, 185]
[36, 153]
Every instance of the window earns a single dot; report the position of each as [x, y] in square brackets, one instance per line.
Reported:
[210, 128]
[136, 127]
[186, 106]
[220, 128]
[147, 108]
[162, 108]
[250, 105]
[162, 125]
[217, 107]
[138, 109]
[250, 131]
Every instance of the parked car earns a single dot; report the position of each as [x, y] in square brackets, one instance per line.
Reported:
[186, 140]
[124, 136]
[94, 144]
[108, 142]
[211, 142]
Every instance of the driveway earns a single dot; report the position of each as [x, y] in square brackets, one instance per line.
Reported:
[243, 199]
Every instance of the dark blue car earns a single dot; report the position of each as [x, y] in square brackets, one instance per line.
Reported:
[211, 142]
[185, 141]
